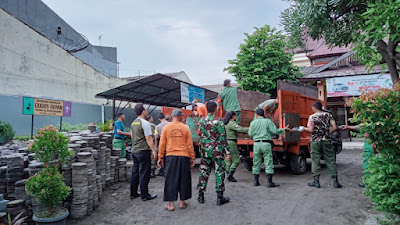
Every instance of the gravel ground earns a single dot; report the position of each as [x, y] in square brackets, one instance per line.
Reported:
[291, 203]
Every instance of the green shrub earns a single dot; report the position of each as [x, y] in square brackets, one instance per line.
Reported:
[22, 137]
[66, 127]
[49, 145]
[6, 132]
[104, 127]
[378, 113]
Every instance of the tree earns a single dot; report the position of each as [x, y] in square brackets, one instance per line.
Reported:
[371, 26]
[262, 60]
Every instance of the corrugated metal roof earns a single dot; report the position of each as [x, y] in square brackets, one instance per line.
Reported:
[158, 89]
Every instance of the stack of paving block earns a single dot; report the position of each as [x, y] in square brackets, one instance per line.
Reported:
[34, 167]
[122, 169]
[15, 172]
[108, 168]
[79, 189]
[87, 158]
[129, 166]
[114, 169]
[67, 168]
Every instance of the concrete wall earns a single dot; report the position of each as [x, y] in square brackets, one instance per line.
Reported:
[32, 65]
[301, 60]
[40, 17]
[11, 112]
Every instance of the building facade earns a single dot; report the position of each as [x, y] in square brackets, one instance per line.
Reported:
[41, 18]
[339, 76]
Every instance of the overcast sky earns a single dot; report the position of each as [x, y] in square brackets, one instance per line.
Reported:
[197, 37]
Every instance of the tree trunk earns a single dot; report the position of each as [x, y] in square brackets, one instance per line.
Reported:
[389, 58]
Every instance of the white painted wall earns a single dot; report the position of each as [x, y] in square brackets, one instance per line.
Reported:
[301, 59]
[32, 65]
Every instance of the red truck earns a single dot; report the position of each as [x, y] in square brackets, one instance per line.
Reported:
[295, 106]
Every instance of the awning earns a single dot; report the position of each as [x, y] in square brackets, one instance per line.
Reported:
[158, 90]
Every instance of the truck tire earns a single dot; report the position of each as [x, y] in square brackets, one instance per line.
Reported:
[248, 163]
[298, 163]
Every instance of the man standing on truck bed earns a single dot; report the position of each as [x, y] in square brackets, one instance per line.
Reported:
[261, 131]
[213, 147]
[229, 100]
[269, 107]
[319, 125]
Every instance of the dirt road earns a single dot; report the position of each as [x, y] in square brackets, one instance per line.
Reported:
[292, 203]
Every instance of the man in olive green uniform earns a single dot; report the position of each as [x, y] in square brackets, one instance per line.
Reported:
[261, 131]
[232, 130]
[368, 150]
[153, 161]
[142, 149]
[229, 100]
[269, 107]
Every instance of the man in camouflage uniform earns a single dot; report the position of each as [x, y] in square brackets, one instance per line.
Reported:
[213, 147]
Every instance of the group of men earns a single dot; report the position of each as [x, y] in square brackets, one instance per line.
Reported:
[218, 148]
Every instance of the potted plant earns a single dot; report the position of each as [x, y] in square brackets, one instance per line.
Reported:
[51, 148]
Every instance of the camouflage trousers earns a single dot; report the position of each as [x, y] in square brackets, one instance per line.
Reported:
[205, 170]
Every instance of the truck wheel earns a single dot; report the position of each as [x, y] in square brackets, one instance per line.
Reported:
[248, 164]
[298, 163]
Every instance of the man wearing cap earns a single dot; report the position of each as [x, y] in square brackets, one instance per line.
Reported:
[261, 131]
[120, 134]
[176, 143]
[213, 148]
[142, 147]
[160, 127]
[229, 100]
[150, 119]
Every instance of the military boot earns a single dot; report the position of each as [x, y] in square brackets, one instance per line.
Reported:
[336, 182]
[221, 199]
[256, 182]
[230, 176]
[271, 184]
[153, 173]
[200, 199]
[315, 183]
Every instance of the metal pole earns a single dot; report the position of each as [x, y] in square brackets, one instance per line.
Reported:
[60, 122]
[32, 128]
[113, 107]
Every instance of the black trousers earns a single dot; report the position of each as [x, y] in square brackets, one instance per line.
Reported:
[141, 173]
[178, 178]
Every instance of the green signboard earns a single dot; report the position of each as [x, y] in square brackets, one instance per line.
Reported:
[28, 106]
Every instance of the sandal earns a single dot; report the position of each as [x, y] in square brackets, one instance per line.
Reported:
[166, 207]
[183, 207]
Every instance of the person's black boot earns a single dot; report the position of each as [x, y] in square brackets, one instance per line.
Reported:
[271, 184]
[315, 183]
[221, 199]
[161, 172]
[153, 174]
[336, 183]
[256, 182]
[200, 199]
[230, 176]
